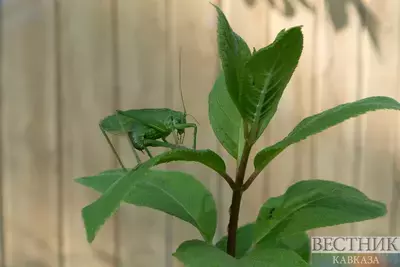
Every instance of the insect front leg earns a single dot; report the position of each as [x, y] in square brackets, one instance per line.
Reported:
[189, 125]
[175, 138]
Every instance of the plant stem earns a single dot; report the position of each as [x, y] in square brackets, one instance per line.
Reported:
[228, 179]
[251, 179]
[233, 221]
[236, 200]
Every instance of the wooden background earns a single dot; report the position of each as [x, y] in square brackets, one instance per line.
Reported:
[65, 64]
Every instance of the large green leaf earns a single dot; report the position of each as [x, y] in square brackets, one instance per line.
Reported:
[206, 157]
[299, 242]
[272, 257]
[313, 204]
[244, 240]
[96, 214]
[175, 193]
[270, 70]
[322, 121]
[102, 181]
[224, 117]
[195, 253]
[234, 53]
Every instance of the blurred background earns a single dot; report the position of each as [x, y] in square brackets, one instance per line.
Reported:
[65, 64]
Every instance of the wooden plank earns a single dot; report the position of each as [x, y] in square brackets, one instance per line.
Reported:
[192, 27]
[303, 86]
[320, 64]
[87, 96]
[338, 83]
[379, 78]
[141, 63]
[394, 223]
[250, 22]
[29, 134]
[2, 203]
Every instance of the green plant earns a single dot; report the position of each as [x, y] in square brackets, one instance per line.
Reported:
[242, 102]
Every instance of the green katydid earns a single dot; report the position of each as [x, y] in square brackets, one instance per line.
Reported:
[145, 126]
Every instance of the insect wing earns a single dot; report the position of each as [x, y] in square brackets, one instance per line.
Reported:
[116, 124]
[154, 118]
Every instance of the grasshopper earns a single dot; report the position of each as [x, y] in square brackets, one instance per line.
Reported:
[144, 127]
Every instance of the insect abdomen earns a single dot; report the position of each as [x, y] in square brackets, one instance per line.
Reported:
[140, 133]
[153, 134]
[137, 136]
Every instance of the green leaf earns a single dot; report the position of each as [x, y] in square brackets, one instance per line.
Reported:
[313, 204]
[206, 157]
[299, 243]
[102, 181]
[224, 117]
[96, 214]
[180, 195]
[234, 53]
[196, 253]
[322, 121]
[176, 193]
[277, 257]
[244, 240]
[270, 70]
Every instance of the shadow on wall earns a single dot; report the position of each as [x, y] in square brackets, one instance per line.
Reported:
[337, 10]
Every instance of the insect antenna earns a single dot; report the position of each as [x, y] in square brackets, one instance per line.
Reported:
[194, 118]
[180, 80]
[180, 86]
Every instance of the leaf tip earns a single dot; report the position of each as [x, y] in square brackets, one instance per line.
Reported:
[90, 230]
[79, 180]
[215, 6]
[382, 209]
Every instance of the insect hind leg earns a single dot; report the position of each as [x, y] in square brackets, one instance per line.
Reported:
[148, 152]
[131, 142]
[112, 147]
